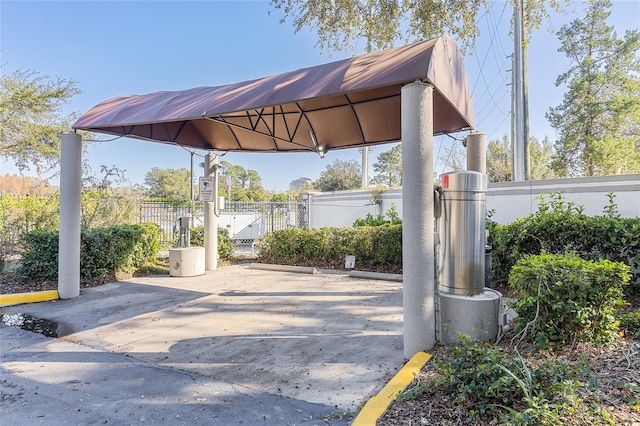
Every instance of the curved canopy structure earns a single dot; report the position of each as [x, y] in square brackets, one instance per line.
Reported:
[342, 104]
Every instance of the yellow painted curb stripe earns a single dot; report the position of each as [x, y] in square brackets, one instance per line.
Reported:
[377, 405]
[36, 296]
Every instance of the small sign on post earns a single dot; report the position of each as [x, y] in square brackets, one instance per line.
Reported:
[206, 189]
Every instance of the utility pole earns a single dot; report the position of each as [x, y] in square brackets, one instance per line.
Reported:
[512, 112]
[525, 111]
[518, 170]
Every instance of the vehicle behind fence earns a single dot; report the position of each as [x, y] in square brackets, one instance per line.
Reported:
[245, 221]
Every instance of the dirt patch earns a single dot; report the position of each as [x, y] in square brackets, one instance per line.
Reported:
[614, 387]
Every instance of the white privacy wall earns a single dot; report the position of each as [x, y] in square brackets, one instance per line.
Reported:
[510, 200]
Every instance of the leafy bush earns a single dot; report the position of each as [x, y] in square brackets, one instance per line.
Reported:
[558, 227]
[225, 244]
[483, 379]
[40, 256]
[370, 220]
[20, 214]
[630, 324]
[563, 297]
[102, 251]
[371, 245]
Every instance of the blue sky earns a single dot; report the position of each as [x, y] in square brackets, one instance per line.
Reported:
[132, 47]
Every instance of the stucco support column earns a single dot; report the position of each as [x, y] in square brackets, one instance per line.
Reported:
[418, 254]
[210, 217]
[69, 239]
[477, 152]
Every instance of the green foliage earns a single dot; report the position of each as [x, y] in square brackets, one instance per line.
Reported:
[370, 220]
[225, 245]
[339, 176]
[103, 251]
[101, 204]
[280, 197]
[31, 119]
[246, 185]
[20, 214]
[558, 227]
[170, 185]
[371, 245]
[596, 120]
[40, 256]
[562, 298]
[388, 168]
[382, 22]
[499, 160]
[484, 380]
[630, 324]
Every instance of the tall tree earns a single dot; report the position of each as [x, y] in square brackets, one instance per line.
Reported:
[246, 185]
[388, 168]
[499, 160]
[341, 22]
[169, 184]
[601, 108]
[31, 118]
[339, 176]
[541, 157]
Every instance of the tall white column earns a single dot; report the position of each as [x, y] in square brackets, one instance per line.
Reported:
[69, 239]
[477, 152]
[210, 218]
[418, 254]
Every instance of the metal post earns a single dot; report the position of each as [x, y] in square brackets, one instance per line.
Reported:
[70, 195]
[365, 167]
[418, 254]
[210, 218]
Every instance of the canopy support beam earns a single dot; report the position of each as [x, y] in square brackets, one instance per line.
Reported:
[418, 253]
[70, 209]
[211, 215]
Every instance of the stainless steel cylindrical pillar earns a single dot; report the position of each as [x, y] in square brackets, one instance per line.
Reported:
[462, 233]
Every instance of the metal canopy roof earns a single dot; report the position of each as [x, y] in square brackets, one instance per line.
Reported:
[341, 104]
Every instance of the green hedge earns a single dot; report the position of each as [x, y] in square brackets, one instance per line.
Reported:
[225, 245]
[102, 251]
[558, 227]
[562, 298]
[371, 246]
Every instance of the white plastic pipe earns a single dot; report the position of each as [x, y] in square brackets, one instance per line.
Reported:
[210, 218]
[418, 254]
[69, 239]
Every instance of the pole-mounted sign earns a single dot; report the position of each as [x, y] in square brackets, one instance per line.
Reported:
[206, 189]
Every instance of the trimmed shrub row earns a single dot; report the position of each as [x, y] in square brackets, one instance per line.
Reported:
[103, 251]
[561, 297]
[371, 245]
[559, 227]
